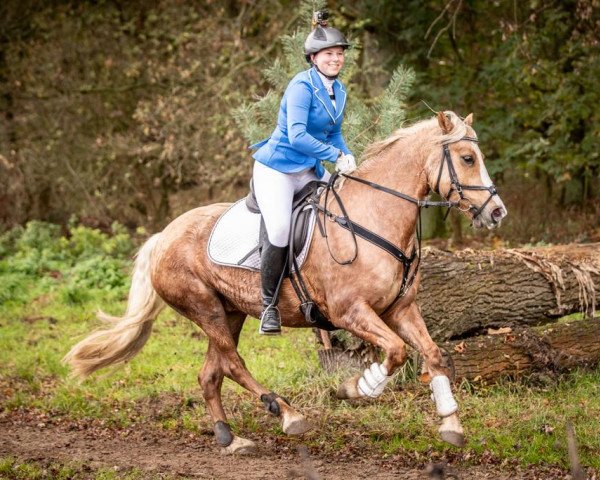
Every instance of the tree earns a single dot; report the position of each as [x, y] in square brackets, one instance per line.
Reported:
[112, 107]
[528, 68]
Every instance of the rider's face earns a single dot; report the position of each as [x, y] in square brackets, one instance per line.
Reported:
[329, 60]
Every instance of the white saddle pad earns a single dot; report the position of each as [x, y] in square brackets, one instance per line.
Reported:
[234, 239]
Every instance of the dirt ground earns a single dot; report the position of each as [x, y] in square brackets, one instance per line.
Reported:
[92, 446]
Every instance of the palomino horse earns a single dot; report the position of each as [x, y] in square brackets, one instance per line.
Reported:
[173, 267]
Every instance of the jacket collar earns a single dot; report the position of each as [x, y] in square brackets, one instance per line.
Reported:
[321, 93]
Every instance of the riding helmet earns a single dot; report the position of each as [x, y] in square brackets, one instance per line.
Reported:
[323, 36]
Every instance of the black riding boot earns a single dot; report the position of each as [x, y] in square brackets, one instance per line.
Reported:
[272, 264]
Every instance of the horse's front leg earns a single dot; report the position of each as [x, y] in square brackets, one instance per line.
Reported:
[362, 321]
[410, 325]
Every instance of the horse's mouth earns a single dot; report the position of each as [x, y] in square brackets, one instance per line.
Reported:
[477, 222]
[491, 225]
[491, 219]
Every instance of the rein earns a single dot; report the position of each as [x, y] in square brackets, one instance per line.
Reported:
[407, 261]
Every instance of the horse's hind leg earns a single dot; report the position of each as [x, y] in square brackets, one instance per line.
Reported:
[211, 380]
[411, 327]
[223, 359]
[234, 367]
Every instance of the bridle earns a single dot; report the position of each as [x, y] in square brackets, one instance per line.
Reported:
[406, 260]
[410, 262]
[455, 184]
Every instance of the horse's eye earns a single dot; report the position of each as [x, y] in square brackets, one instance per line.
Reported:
[468, 159]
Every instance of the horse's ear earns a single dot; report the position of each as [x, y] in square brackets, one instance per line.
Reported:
[469, 120]
[445, 123]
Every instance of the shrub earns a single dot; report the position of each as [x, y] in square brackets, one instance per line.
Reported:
[38, 236]
[99, 272]
[13, 288]
[8, 241]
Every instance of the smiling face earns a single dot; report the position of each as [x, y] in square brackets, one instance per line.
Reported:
[329, 61]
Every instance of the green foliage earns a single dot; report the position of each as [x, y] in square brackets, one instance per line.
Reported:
[8, 241]
[366, 119]
[390, 107]
[527, 69]
[83, 260]
[99, 272]
[37, 236]
[13, 287]
[87, 242]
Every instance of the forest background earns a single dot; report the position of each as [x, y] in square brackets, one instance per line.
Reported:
[124, 110]
[122, 114]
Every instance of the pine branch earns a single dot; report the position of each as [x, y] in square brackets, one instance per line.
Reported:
[391, 105]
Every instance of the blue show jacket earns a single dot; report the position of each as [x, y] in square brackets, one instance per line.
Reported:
[309, 127]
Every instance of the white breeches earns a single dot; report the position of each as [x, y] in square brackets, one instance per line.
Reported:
[274, 192]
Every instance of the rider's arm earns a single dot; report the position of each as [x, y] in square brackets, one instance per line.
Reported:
[299, 98]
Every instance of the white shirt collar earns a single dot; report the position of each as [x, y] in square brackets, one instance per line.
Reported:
[328, 83]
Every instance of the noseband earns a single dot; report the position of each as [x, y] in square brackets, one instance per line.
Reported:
[459, 187]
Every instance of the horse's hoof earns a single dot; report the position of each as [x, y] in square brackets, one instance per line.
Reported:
[453, 438]
[295, 425]
[349, 389]
[239, 446]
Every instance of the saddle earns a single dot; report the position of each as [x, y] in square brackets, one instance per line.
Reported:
[301, 215]
[237, 237]
[303, 219]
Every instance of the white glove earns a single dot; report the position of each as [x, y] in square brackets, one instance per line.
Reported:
[345, 163]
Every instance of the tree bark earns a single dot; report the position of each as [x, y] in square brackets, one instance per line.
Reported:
[463, 293]
[560, 347]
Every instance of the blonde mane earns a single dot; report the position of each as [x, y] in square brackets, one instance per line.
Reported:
[435, 137]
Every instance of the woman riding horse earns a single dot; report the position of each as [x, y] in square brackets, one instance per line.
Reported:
[173, 268]
[308, 130]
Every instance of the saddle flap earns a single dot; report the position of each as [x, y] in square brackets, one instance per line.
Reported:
[236, 238]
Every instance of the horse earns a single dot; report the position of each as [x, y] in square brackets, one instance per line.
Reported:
[172, 268]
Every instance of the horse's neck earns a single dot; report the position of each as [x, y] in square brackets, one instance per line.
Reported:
[399, 168]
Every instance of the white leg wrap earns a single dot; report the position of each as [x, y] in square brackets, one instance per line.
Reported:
[442, 395]
[373, 381]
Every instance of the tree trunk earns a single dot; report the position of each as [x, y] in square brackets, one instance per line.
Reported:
[464, 293]
[515, 352]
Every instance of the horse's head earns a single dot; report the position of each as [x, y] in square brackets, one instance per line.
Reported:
[459, 174]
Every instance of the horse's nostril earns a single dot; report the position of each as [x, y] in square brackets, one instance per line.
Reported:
[497, 213]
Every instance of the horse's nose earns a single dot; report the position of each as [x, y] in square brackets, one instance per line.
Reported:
[498, 214]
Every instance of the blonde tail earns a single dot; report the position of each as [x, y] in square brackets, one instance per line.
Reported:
[129, 333]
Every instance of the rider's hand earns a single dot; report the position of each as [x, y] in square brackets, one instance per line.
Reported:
[345, 163]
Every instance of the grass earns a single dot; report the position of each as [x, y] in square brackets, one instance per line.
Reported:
[42, 314]
[510, 420]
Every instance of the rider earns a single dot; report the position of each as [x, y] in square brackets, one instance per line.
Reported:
[308, 131]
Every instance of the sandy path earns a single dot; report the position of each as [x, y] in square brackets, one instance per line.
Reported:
[186, 455]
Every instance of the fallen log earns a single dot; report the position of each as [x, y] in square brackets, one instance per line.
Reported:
[507, 352]
[464, 293]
